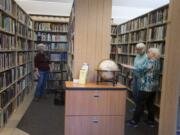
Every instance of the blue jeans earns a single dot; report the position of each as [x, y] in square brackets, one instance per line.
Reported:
[40, 88]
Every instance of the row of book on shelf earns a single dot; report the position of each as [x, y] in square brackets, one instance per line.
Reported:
[50, 37]
[156, 17]
[23, 58]
[58, 56]
[7, 97]
[131, 49]
[55, 46]
[7, 42]
[7, 60]
[51, 27]
[23, 44]
[155, 33]
[6, 5]
[7, 77]
[7, 23]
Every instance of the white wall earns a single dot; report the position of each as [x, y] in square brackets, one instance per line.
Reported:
[45, 8]
[122, 10]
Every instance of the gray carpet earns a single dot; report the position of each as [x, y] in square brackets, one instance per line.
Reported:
[44, 118]
[142, 129]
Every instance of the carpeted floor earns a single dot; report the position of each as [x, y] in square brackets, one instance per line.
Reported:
[44, 118]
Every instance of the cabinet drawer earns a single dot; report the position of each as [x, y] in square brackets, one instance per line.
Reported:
[95, 102]
[94, 125]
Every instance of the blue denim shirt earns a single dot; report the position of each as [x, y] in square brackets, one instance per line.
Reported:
[149, 72]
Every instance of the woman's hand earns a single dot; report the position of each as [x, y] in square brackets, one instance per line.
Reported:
[128, 66]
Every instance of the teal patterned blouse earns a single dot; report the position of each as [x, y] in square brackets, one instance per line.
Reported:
[149, 80]
[139, 61]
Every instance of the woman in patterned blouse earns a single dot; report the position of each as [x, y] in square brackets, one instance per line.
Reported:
[148, 85]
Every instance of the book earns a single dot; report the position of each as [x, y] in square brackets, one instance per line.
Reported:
[159, 16]
[160, 46]
[22, 44]
[58, 56]
[123, 39]
[7, 42]
[7, 60]
[139, 36]
[21, 16]
[22, 70]
[42, 26]
[7, 95]
[122, 59]
[157, 33]
[8, 24]
[22, 58]
[59, 27]
[6, 5]
[21, 29]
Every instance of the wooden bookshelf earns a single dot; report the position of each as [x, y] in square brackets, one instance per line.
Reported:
[15, 70]
[113, 42]
[150, 29]
[52, 31]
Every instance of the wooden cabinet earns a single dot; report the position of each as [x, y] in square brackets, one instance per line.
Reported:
[94, 125]
[94, 109]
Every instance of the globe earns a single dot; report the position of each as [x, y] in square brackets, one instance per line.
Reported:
[106, 68]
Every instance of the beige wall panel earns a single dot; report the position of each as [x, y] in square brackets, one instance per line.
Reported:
[92, 34]
[171, 78]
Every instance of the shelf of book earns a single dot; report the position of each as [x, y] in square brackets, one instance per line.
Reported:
[150, 29]
[54, 35]
[13, 33]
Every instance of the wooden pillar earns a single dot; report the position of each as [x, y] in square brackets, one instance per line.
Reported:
[171, 78]
[92, 34]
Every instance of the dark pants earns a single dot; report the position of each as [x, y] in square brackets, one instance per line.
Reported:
[135, 88]
[144, 99]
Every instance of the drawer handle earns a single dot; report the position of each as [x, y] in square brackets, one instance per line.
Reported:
[96, 96]
[95, 121]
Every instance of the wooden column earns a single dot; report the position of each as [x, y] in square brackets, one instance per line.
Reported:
[92, 34]
[171, 78]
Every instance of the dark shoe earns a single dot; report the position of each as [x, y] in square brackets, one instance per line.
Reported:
[149, 123]
[36, 99]
[132, 123]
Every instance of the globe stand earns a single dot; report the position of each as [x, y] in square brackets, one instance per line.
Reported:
[114, 79]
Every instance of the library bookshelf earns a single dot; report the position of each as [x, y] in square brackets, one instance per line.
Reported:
[16, 57]
[150, 29]
[52, 31]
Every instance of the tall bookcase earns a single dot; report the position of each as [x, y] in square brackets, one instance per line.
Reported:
[114, 42]
[52, 31]
[16, 55]
[150, 29]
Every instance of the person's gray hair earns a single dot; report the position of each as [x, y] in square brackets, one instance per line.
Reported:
[156, 52]
[141, 46]
[41, 46]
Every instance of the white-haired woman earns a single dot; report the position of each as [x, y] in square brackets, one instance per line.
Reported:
[148, 85]
[41, 69]
[140, 60]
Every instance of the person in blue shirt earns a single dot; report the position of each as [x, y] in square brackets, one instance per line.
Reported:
[148, 85]
[139, 61]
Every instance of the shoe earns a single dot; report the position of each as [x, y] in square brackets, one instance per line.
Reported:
[132, 123]
[36, 99]
[149, 123]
